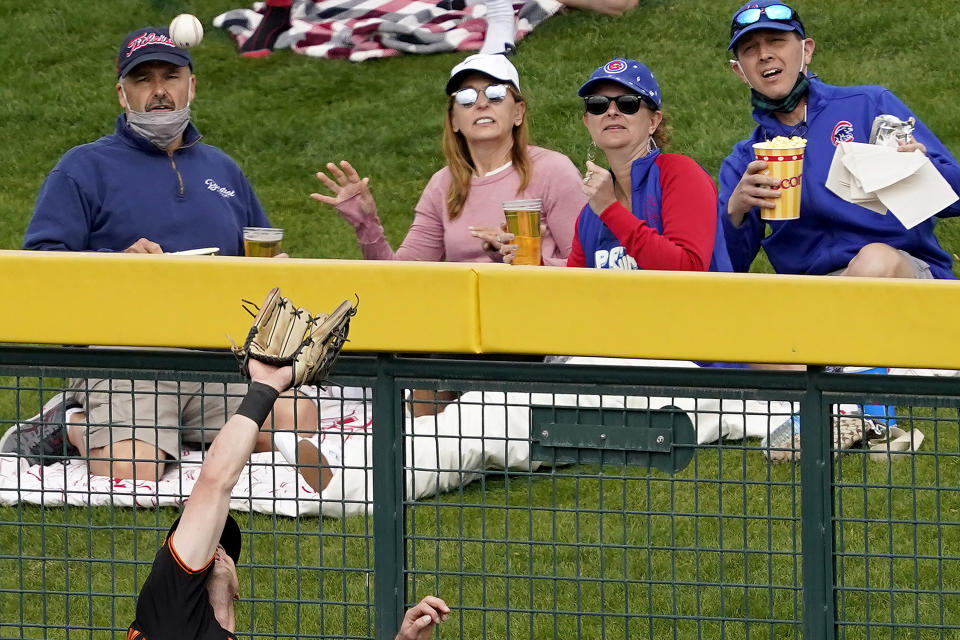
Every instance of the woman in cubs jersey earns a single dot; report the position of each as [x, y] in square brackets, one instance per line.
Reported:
[651, 210]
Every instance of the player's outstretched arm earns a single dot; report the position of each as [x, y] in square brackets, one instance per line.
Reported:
[198, 533]
[420, 619]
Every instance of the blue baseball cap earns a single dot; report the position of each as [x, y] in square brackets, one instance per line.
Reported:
[150, 43]
[764, 14]
[631, 74]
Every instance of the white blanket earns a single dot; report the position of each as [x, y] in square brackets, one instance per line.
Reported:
[482, 431]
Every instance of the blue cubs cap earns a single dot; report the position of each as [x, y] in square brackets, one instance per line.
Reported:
[147, 44]
[629, 73]
[764, 14]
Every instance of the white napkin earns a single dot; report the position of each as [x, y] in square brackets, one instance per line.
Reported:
[881, 178]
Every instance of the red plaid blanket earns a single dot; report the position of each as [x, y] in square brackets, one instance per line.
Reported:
[362, 29]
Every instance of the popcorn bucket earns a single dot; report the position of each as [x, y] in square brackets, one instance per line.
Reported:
[786, 164]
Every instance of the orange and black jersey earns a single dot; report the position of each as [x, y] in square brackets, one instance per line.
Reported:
[173, 602]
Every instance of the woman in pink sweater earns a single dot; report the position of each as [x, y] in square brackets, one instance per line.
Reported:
[459, 216]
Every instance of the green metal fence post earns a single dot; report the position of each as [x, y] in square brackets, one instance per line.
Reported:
[816, 517]
[388, 501]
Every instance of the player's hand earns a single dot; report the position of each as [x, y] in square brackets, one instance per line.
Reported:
[346, 184]
[277, 377]
[419, 620]
[143, 246]
[753, 190]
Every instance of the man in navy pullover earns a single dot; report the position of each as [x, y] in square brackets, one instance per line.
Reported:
[150, 187]
[832, 236]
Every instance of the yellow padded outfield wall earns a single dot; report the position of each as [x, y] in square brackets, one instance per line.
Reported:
[190, 301]
[724, 317]
[194, 301]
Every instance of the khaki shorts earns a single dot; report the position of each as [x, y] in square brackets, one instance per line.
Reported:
[163, 413]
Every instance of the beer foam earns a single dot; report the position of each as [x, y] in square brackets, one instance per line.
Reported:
[782, 142]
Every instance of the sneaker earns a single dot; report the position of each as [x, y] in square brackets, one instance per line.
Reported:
[42, 439]
[848, 431]
[783, 442]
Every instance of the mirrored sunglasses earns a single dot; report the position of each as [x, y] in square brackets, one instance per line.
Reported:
[628, 104]
[776, 12]
[468, 97]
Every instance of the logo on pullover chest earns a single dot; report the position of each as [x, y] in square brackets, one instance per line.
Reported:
[842, 132]
[221, 191]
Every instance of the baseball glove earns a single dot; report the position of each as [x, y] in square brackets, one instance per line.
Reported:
[284, 334]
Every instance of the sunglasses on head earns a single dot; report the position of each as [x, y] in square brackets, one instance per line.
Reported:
[628, 104]
[468, 97]
[775, 12]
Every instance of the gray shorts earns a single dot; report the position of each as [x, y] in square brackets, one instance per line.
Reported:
[163, 413]
[921, 270]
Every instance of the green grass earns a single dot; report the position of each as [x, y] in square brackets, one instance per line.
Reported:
[282, 118]
[714, 550]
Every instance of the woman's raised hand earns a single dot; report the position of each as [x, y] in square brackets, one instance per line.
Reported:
[598, 187]
[345, 185]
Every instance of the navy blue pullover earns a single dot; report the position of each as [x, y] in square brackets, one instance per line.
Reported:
[105, 195]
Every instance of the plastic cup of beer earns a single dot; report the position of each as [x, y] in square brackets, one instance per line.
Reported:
[262, 242]
[523, 221]
[784, 158]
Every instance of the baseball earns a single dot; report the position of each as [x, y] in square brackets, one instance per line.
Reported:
[186, 30]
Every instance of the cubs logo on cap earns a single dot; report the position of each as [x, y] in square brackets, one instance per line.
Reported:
[615, 66]
[633, 75]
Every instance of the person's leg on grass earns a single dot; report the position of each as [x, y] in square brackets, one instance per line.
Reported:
[127, 428]
[275, 21]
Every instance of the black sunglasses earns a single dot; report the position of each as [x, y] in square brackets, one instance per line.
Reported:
[628, 104]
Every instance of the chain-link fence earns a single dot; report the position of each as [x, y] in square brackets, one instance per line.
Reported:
[540, 500]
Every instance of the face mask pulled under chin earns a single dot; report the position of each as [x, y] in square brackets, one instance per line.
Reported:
[162, 128]
[785, 104]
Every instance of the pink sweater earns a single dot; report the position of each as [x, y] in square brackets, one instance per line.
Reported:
[433, 236]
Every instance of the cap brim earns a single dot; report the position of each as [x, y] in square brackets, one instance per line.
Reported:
[163, 56]
[587, 87]
[772, 26]
[230, 538]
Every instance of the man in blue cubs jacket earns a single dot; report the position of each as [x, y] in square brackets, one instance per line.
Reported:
[832, 236]
[151, 186]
